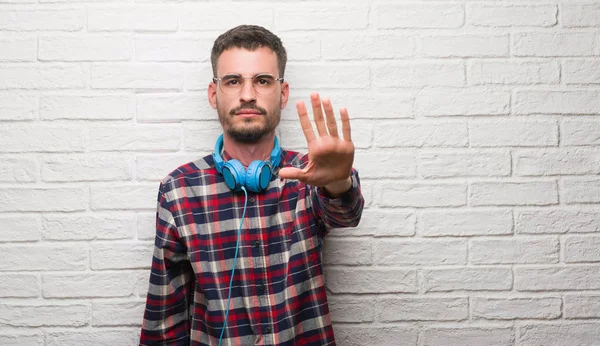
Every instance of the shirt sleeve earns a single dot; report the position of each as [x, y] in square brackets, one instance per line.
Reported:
[343, 211]
[166, 318]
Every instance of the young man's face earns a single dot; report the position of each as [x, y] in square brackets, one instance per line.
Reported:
[247, 115]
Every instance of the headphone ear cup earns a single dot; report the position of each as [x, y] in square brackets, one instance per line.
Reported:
[258, 176]
[234, 174]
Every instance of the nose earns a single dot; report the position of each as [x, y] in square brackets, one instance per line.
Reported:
[247, 94]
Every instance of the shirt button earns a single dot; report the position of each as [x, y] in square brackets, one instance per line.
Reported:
[252, 199]
[256, 244]
[261, 287]
[267, 330]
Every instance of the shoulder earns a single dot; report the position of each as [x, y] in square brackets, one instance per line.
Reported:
[195, 170]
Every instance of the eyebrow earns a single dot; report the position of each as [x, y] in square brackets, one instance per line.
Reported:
[237, 75]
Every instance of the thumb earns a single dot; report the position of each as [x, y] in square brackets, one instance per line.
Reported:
[290, 173]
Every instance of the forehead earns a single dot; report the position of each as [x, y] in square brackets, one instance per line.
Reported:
[247, 62]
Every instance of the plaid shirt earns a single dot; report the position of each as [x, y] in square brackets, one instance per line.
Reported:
[278, 294]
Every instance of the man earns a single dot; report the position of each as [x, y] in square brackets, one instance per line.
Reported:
[237, 256]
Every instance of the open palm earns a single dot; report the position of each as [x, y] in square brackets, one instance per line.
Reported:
[330, 157]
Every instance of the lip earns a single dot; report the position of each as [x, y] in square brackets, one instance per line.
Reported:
[248, 113]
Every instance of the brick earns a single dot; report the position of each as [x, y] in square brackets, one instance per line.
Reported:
[362, 134]
[471, 163]
[360, 335]
[522, 133]
[42, 18]
[126, 313]
[344, 46]
[391, 16]
[139, 75]
[371, 280]
[556, 102]
[580, 72]
[467, 336]
[18, 168]
[121, 255]
[86, 285]
[14, 339]
[418, 74]
[513, 193]
[138, 138]
[124, 197]
[419, 252]
[44, 315]
[581, 191]
[201, 136]
[17, 106]
[580, 305]
[363, 105]
[381, 223]
[336, 251]
[514, 251]
[86, 167]
[19, 286]
[553, 44]
[196, 77]
[302, 46]
[388, 163]
[581, 132]
[323, 17]
[18, 48]
[424, 195]
[23, 228]
[146, 226]
[43, 257]
[582, 249]
[133, 18]
[580, 15]
[157, 166]
[585, 277]
[328, 75]
[85, 48]
[120, 337]
[465, 223]
[555, 334]
[467, 279]
[143, 282]
[84, 227]
[464, 46]
[355, 310]
[41, 138]
[507, 72]
[421, 309]
[512, 15]
[460, 103]
[47, 76]
[221, 17]
[566, 161]
[169, 48]
[44, 199]
[556, 221]
[423, 134]
[87, 107]
[173, 107]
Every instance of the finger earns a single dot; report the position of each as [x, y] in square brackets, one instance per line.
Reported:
[305, 122]
[331, 123]
[290, 173]
[345, 124]
[318, 114]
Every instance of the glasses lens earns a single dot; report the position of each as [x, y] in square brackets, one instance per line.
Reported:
[263, 84]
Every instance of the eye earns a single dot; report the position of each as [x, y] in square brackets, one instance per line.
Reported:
[264, 81]
[231, 81]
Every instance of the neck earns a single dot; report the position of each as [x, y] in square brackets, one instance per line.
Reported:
[246, 153]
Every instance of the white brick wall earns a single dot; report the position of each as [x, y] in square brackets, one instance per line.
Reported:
[477, 127]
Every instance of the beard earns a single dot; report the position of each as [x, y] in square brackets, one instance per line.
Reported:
[249, 130]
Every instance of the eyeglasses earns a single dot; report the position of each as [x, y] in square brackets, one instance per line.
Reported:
[232, 84]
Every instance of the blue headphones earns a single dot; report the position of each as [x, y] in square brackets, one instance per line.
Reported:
[258, 175]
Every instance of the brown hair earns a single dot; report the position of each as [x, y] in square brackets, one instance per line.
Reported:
[250, 37]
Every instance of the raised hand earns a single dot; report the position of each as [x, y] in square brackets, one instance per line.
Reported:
[330, 157]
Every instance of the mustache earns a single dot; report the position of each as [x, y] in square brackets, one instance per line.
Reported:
[250, 106]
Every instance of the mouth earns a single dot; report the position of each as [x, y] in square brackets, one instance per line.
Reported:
[248, 113]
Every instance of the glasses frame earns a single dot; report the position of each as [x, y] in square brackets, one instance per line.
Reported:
[217, 81]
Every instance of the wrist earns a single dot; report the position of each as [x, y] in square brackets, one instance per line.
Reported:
[337, 188]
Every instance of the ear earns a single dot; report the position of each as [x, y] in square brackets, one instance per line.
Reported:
[212, 95]
[285, 94]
